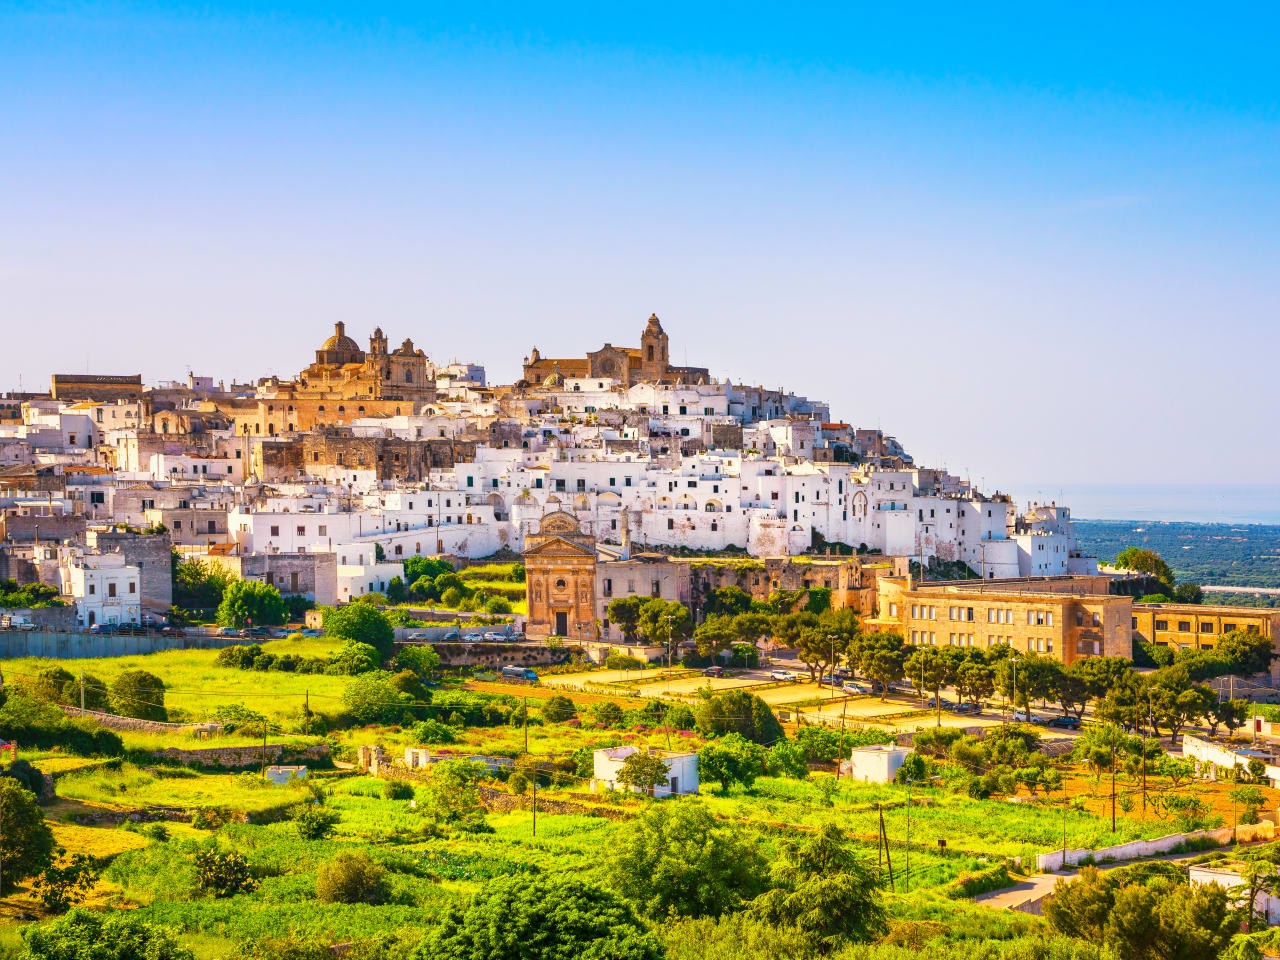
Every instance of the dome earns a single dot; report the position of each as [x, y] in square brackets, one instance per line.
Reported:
[555, 379]
[340, 342]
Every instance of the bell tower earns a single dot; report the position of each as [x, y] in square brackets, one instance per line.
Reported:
[653, 350]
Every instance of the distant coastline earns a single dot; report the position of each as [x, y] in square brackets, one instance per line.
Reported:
[1170, 503]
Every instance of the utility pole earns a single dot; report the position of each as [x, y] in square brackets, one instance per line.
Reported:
[1113, 788]
[263, 771]
[1144, 775]
[1066, 803]
[82, 688]
[535, 802]
[906, 873]
[526, 734]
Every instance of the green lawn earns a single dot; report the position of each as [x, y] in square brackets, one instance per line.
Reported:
[196, 686]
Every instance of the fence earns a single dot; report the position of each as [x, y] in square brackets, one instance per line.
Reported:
[1137, 849]
[77, 646]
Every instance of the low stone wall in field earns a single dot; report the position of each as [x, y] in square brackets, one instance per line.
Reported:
[1137, 849]
[114, 722]
[237, 758]
[499, 655]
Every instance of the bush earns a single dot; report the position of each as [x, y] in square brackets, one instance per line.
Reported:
[315, 822]
[452, 597]
[351, 877]
[223, 874]
[246, 602]
[397, 790]
[354, 658]
[362, 623]
[787, 759]
[26, 842]
[35, 724]
[120, 935]
[620, 661]
[497, 605]
[136, 693]
[422, 660]
[433, 731]
[518, 783]
[736, 711]
[679, 717]
[606, 713]
[65, 882]
[370, 698]
[208, 818]
[558, 708]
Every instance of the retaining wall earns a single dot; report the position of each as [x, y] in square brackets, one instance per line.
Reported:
[76, 646]
[1137, 849]
[113, 722]
[237, 758]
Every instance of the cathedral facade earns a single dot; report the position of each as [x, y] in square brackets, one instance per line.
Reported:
[648, 363]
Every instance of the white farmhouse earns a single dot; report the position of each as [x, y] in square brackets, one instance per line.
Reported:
[682, 770]
[877, 763]
[104, 588]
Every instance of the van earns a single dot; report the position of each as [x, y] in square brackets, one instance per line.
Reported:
[17, 621]
[519, 673]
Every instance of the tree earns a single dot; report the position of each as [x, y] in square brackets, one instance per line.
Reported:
[816, 650]
[881, 657]
[715, 634]
[737, 711]
[624, 612]
[1071, 690]
[975, 680]
[418, 566]
[731, 759]
[1173, 700]
[606, 713]
[727, 602]
[929, 668]
[396, 592]
[1144, 561]
[1188, 593]
[351, 877]
[558, 708]
[1250, 800]
[362, 623]
[198, 584]
[314, 822]
[643, 771]
[420, 658]
[118, 935]
[677, 858]
[250, 602]
[450, 793]
[786, 759]
[136, 693]
[823, 888]
[547, 917]
[370, 698]
[1246, 652]
[354, 658]
[1260, 877]
[26, 842]
[665, 623]
[1233, 714]
[65, 881]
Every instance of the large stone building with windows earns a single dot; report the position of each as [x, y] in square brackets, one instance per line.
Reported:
[648, 363]
[560, 579]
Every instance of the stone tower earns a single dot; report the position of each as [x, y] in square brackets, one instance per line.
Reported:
[653, 350]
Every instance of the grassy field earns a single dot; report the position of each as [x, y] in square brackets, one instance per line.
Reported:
[196, 686]
[134, 787]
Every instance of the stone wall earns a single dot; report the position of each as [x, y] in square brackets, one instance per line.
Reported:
[24, 529]
[238, 758]
[76, 645]
[498, 655]
[114, 722]
[151, 555]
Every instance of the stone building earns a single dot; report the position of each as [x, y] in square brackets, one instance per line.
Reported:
[77, 386]
[648, 363]
[151, 554]
[560, 568]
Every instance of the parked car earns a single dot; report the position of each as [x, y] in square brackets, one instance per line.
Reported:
[173, 631]
[966, 708]
[451, 635]
[473, 637]
[782, 675]
[229, 632]
[495, 635]
[17, 621]
[1021, 716]
[713, 672]
[830, 682]
[1063, 723]
[850, 687]
[418, 636]
[310, 633]
[519, 673]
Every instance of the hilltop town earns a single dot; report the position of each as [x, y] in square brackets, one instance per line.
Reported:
[385, 659]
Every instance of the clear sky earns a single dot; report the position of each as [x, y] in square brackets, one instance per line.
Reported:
[1039, 246]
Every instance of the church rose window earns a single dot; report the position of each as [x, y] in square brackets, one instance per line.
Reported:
[560, 584]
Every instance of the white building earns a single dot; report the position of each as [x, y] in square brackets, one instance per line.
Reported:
[103, 587]
[682, 770]
[1264, 903]
[878, 763]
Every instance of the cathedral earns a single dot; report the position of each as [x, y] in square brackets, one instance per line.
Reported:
[343, 371]
[648, 363]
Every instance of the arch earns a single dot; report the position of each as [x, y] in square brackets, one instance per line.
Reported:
[664, 503]
[713, 506]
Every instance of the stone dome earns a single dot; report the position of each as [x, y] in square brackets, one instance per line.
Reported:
[555, 378]
[340, 342]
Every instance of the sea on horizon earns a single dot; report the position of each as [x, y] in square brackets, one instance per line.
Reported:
[1171, 503]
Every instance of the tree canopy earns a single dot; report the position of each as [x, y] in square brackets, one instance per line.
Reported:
[363, 623]
[250, 603]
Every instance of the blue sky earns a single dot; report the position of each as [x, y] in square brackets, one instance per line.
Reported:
[1039, 246]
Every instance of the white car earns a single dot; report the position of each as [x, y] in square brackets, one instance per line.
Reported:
[782, 675]
[473, 637]
[1021, 716]
[494, 635]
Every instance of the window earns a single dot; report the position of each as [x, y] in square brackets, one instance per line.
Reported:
[302, 530]
[1206, 628]
[655, 588]
[1228, 627]
[92, 589]
[671, 524]
[893, 609]
[607, 588]
[111, 589]
[471, 481]
[177, 524]
[275, 531]
[1162, 624]
[212, 527]
[1184, 626]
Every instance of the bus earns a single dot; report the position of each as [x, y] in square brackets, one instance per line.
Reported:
[519, 673]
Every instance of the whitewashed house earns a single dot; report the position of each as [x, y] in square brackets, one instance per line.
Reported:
[877, 763]
[682, 770]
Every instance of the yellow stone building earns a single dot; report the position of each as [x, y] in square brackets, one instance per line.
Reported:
[647, 363]
[560, 579]
[344, 383]
[1066, 618]
[1198, 627]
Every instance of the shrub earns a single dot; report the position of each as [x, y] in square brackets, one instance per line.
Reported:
[136, 693]
[35, 724]
[497, 605]
[370, 698]
[65, 882]
[354, 658]
[315, 822]
[787, 759]
[606, 713]
[558, 708]
[362, 623]
[620, 661]
[679, 717]
[120, 935]
[397, 790]
[433, 731]
[351, 877]
[26, 842]
[422, 660]
[736, 711]
[518, 783]
[452, 597]
[208, 818]
[250, 601]
[222, 874]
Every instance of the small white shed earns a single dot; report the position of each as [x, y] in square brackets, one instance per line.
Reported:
[876, 763]
[682, 770]
[1234, 883]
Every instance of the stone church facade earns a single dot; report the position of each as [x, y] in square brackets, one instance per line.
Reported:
[560, 579]
[648, 363]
